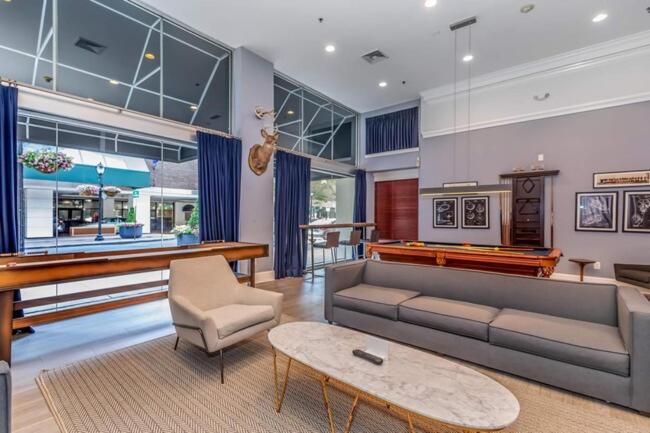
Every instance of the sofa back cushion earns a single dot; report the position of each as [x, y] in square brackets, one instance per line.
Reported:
[579, 301]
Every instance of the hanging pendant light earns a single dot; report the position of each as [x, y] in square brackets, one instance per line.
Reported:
[471, 188]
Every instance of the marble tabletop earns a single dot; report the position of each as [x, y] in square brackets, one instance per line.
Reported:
[417, 381]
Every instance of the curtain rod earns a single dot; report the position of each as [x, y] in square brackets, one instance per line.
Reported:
[120, 110]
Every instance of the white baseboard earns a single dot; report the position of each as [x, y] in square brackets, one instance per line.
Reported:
[264, 277]
[588, 279]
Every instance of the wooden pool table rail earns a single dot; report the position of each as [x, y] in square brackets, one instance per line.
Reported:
[495, 261]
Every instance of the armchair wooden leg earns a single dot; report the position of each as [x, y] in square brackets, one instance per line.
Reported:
[176, 344]
[221, 363]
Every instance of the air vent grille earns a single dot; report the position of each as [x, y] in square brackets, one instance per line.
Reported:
[88, 45]
[374, 57]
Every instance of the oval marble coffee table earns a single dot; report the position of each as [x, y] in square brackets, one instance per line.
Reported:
[410, 382]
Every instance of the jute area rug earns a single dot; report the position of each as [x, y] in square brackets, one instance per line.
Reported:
[150, 388]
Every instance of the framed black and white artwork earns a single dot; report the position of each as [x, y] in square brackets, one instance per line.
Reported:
[476, 212]
[636, 213]
[596, 211]
[445, 213]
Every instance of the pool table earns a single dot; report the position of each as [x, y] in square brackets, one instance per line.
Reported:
[532, 261]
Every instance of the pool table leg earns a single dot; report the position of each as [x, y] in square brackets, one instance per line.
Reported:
[546, 272]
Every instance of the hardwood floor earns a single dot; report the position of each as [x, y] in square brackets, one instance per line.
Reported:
[64, 342]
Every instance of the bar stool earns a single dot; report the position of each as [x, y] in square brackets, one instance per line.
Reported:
[374, 238]
[354, 241]
[332, 243]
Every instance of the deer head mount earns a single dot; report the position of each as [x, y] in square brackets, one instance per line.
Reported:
[260, 154]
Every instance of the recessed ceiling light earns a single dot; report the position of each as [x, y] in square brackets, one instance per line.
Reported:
[383, 84]
[193, 107]
[527, 8]
[430, 3]
[114, 82]
[330, 48]
[600, 17]
[290, 112]
[468, 58]
[150, 56]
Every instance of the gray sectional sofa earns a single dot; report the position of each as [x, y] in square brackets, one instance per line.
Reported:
[639, 275]
[5, 398]
[593, 339]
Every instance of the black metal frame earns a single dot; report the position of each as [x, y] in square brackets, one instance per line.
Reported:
[205, 344]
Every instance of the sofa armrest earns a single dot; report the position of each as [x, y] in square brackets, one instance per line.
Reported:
[5, 398]
[634, 326]
[340, 277]
[252, 296]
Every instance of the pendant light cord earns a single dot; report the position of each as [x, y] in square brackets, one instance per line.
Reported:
[469, 108]
[455, 144]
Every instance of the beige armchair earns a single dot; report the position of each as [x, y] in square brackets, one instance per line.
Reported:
[212, 310]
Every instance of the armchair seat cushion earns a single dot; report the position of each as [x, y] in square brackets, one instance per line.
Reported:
[233, 318]
[375, 300]
[586, 344]
[457, 317]
[635, 274]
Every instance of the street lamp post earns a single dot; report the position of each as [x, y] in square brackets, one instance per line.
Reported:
[100, 176]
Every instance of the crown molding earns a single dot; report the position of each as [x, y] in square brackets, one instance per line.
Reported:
[574, 109]
[570, 60]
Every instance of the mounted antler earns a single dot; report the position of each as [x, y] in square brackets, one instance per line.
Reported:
[260, 154]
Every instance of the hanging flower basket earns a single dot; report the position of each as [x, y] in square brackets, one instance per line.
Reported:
[111, 191]
[88, 190]
[46, 161]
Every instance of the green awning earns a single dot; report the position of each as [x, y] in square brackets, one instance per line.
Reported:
[88, 174]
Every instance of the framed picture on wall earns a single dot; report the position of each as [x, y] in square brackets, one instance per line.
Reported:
[476, 212]
[622, 179]
[445, 213]
[597, 211]
[636, 213]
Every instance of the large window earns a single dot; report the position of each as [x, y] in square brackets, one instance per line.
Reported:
[313, 124]
[147, 181]
[120, 53]
[149, 184]
[331, 202]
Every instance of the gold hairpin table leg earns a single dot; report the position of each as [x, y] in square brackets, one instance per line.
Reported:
[411, 428]
[348, 426]
[326, 400]
[279, 396]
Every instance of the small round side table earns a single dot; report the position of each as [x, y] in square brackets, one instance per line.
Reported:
[582, 263]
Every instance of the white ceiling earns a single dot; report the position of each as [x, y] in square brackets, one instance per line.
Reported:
[417, 39]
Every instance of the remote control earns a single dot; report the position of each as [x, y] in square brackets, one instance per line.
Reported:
[367, 356]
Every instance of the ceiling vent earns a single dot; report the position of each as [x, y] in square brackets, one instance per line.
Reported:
[91, 46]
[215, 116]
[374, 57]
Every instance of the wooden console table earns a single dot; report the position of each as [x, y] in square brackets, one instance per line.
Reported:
[24, 271]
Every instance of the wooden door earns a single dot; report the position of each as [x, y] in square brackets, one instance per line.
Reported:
[396, 209]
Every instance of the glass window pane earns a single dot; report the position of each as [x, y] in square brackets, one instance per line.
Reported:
[312, 124]
[110, 51]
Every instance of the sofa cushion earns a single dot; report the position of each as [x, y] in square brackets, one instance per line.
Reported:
[635, 274]
[376, 300]
[236, 317]
[585, 344]
[457, 317]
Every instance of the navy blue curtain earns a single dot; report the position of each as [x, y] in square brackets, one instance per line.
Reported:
[292, 176]
[359, 213]
[219, 187]
[9, 236]
[392, 131]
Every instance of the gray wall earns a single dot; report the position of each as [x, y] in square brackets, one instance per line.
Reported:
[253, 86]
[578, 145]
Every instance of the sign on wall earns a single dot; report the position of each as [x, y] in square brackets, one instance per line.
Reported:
[622, 179]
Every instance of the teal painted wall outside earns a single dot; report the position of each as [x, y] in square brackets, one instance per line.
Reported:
[88, 174]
